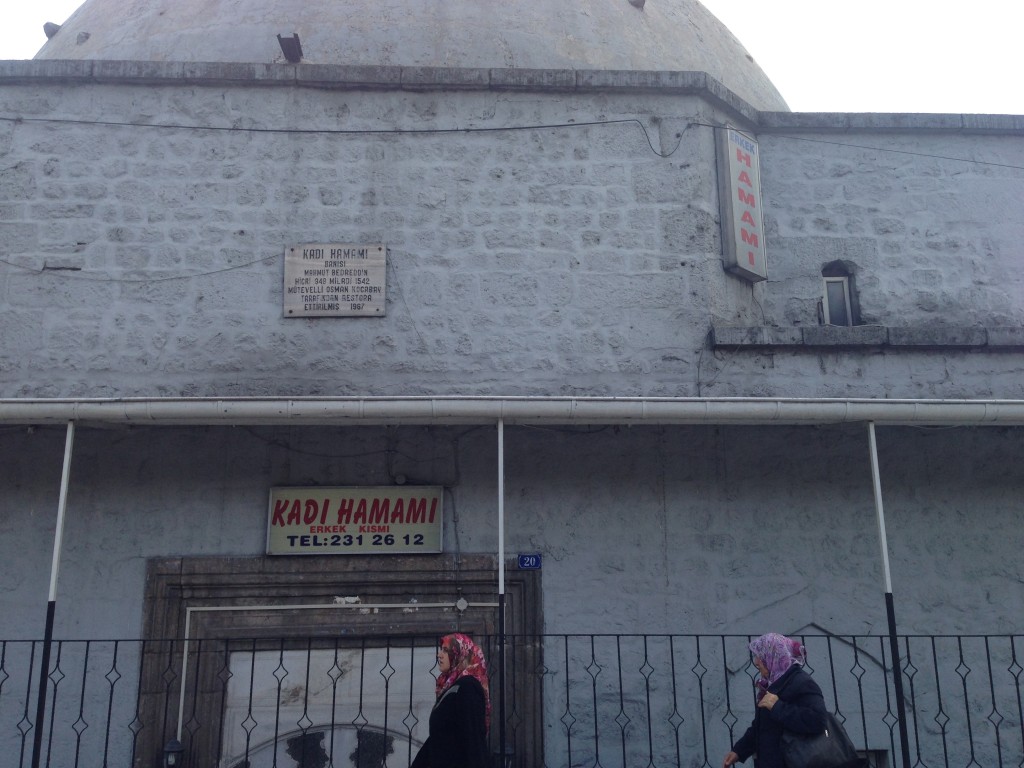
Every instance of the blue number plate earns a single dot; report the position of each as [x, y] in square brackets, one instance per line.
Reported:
[529, 562]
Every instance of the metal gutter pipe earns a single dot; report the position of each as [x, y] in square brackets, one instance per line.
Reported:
[511, 410]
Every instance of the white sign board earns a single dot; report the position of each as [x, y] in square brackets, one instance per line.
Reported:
[739, 189]
[355, 520]
[334, 280]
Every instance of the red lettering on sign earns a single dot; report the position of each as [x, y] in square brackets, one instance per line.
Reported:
[743, 157]
[312, 512]
[744, 178]
[417, 512]
[345, 511]
[379, 511]
[398, 513]
[746, 218]
[360, 515]
[747, 198]
[280, 506]
[749, 238]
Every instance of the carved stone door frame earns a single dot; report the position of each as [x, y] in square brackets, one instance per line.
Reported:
[293, 602]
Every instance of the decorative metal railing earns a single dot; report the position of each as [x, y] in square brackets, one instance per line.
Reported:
[613, 701]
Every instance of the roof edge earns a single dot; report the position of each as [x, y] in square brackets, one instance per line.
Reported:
[352, 77]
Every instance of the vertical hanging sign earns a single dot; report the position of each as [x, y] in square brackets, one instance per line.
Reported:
[739, 192]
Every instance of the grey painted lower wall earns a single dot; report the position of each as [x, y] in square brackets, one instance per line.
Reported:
[702, 530]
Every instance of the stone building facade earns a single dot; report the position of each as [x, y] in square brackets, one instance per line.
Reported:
[687, 450]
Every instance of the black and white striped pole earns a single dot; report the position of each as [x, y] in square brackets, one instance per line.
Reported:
[501, 587]
[890, 610]
[51, 604]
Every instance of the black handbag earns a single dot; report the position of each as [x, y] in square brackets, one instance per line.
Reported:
[831, 749]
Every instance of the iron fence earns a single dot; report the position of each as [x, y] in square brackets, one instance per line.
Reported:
[602, 701]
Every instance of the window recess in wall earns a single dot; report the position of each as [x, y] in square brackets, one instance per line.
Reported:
[836, 303]
[839, 305]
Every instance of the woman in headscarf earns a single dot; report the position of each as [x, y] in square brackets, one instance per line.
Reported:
[787, 700]
[461, 715]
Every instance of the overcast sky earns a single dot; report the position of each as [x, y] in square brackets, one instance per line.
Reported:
[885, 55]
[823, 55]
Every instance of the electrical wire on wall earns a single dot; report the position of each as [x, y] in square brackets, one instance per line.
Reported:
[75, 273]
[690, 122]
[364, 131]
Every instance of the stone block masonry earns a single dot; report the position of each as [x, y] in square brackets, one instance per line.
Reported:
[548, 234]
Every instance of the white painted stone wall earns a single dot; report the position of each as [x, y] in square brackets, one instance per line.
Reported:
[932, 222]
[566, 260]
[548, 260]
[149, 260]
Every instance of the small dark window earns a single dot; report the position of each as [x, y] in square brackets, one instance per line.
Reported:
[836, 306]
[839, 305]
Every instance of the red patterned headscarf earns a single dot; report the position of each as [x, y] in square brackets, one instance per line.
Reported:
[466, 659]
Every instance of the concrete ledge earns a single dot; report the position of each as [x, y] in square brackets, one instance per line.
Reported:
[853, 122]
[329, 75]
[642, 79]
[445, 78]
[1006, 336]
[937, 336]
[196, 73]
[784, 336]
[733, 336]
[347, 77]
[16, 72]
[993, 123]
[997, 338]
[534, 79]
[839, 336]
[341, 76]
[105, 71]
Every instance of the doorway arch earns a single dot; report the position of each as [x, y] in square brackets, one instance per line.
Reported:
[294, 620]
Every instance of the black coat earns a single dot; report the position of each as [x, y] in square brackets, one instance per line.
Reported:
[800, 708]
[458, 729]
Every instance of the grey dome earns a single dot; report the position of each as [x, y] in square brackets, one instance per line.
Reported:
[663, 35]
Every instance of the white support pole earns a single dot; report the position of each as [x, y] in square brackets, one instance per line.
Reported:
[51, 600]
[502, 736]
[876, 481]
[184, 673]
[890, 605]
[501, 507]
[62, 505]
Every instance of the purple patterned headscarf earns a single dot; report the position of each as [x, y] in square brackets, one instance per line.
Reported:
[778, 653]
